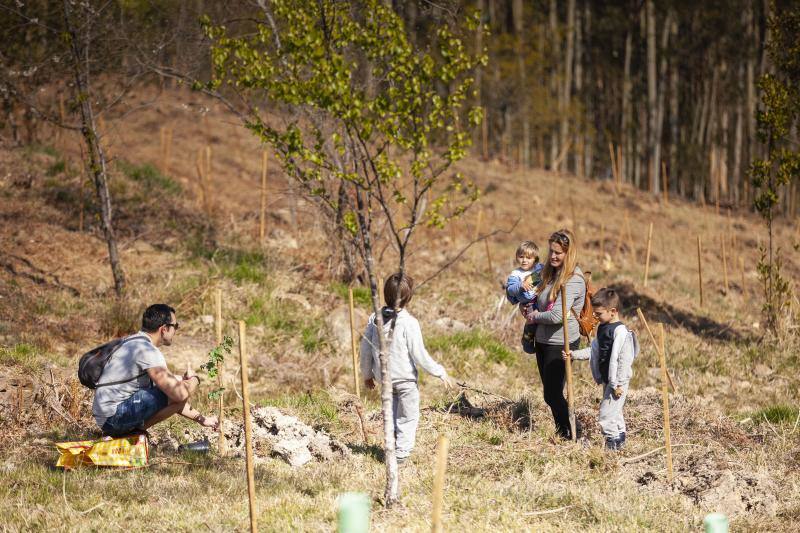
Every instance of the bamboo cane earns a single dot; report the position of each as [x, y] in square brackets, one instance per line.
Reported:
[665, 399]
[700, 269]
[724, 265]
[263, 216]
[485, 134]
[647, 255]
[353, 342]
[741, 270]
[570, 395]
[222, 447]
[655, 344]
[442, 445]
[248, 438]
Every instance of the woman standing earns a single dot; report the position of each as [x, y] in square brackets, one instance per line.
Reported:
[561, 269]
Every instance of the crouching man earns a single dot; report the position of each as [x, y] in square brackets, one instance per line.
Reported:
[136, 390]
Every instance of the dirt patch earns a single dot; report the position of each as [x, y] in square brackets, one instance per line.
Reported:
[275, 434]
[713, 484]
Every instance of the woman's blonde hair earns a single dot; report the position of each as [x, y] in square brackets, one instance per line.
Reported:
[558, 277]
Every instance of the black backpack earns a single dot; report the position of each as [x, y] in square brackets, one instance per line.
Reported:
[92, 363]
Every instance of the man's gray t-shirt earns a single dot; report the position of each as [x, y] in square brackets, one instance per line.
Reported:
[131, 359]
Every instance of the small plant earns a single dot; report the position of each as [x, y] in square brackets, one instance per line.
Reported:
[150, 177]
[216, 356]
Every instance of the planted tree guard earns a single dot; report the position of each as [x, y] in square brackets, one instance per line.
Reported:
[248, 431]
[570, 395]
[647, 256]
[442, 445]
[221, 447]
[665, 399]
[700, 270]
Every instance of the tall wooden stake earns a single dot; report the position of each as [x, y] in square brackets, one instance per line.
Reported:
[724, 265]
[665, 182]
[570, 395]
[665, 399]
[603, 238]
[647, 256]
[655, 344]
[485, 135]
[614, 166]
[478, 224]
[741, 270]
[222, 447]
[82, 203]
[442, 444]
[263, 218]
[488, 256]
[700, 269]
[248, 437]
[353, 342]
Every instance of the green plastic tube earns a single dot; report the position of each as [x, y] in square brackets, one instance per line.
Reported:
[353, 513]
[716, 523]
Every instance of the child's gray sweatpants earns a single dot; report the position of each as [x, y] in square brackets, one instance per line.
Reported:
[611, 420]
[405, 406]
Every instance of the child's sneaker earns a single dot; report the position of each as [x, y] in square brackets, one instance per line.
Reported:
[615, 443]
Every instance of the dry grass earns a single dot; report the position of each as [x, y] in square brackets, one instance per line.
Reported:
[733, 385]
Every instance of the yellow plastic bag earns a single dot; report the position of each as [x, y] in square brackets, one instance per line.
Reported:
[129, 452]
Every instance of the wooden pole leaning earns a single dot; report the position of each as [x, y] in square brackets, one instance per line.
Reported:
[248, 435]
[442, 444]
[353, 342]
[647, 256]
[222, 447]
[570, 394]
[655, 344]
[665, 398]
[700, 269]
[262, 223]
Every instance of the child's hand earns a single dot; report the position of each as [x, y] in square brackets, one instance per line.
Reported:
[527, 283]
[449, 383]
[566, 355]
[369, 383]
[617, 392]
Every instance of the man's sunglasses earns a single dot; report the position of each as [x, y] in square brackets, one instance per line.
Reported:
[175, 325]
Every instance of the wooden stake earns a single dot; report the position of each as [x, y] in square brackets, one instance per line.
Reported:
[665, 399]
[207, 168]
[488, 256]
[700, 269]
[222, 447]
[478, 224]
[666, 182]
[724, 265]
[263, 218]
[653, 340]
[248, 437]
[61, 116]
[647, 256]
[570, 395]
[630, 237]
[442, 443]
[82, 203]
[485, 134]
[620, 166]
[353, 342]
[603, 238]
[741, 269]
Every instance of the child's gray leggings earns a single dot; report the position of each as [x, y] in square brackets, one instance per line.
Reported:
[611, 420]
[405, 406]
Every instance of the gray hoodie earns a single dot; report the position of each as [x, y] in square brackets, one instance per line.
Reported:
[406, 350]
[549, 330]
[620, 366]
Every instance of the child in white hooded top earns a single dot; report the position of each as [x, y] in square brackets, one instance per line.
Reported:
[406, 351]
[611, 358]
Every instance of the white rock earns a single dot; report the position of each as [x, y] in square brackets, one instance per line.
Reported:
[294, 452]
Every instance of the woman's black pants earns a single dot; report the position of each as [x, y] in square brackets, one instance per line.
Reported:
[552, 370]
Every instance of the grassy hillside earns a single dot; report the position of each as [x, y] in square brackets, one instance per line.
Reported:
[735, 411]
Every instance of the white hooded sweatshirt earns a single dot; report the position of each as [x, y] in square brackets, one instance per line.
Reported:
[406, 350]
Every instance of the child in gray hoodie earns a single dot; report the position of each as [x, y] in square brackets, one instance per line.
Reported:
[406, 351]
[611, 358]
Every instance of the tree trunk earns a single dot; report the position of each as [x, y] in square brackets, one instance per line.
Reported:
[555, 43]
[519, 26]
[662, 75]
[97, 160]
[580, 140]
[477, 133]
[566, 90]
[652, 104]
[391, 491]
[674, 125]
[627, 86]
